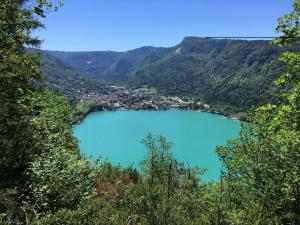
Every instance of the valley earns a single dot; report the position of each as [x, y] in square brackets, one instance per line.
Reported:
[232, 76]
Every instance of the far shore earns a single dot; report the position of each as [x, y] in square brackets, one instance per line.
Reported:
[84, 115]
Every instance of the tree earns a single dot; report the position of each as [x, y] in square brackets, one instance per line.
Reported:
[263, 177]
[168, 192]
[41, 169]
[19, 72]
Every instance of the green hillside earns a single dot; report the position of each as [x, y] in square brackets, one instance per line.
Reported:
[91, 64]
[108, 66]
[63, 79]
[231, 75]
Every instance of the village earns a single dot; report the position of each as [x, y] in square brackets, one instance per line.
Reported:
[121, 98]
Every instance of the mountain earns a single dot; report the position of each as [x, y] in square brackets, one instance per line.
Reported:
[230, 74]
[63, 79]
[122, 70]
[91, 64]
[112, 67]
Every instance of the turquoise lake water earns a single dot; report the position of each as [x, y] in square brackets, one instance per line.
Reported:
[116, 136]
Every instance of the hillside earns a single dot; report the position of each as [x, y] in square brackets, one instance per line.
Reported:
[91, 64]
[108, 66]
[232, 75]
[63, 79]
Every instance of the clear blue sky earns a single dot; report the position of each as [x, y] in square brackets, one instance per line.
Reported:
[85, 25]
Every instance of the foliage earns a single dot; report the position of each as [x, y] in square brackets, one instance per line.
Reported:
[173, 195]
[60, 179]
[262, 175]
[36, 140]
[18, 73]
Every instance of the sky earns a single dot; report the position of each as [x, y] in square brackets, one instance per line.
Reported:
[121, 25]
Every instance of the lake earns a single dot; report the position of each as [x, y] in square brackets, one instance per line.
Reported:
[116, 136]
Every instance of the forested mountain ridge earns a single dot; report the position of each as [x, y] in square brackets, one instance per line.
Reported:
[91, 64]
[233, 75]
[109, 66]
[62, 78]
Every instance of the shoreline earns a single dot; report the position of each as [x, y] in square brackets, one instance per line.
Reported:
[120, 98]
[83, 115]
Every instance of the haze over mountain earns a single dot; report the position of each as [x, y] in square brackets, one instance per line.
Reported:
[62, 78]
[235, 74]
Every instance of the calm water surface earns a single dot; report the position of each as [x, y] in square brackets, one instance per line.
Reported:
[116, 136]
